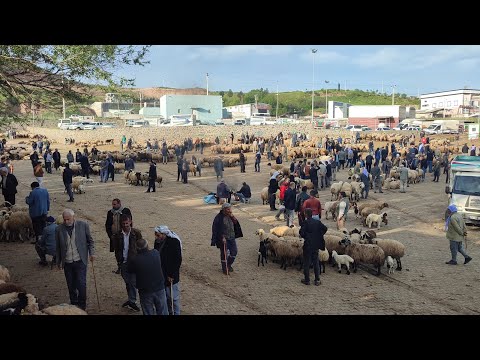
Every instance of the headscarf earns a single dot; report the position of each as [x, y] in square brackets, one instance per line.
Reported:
[163, 229]
[453, 209]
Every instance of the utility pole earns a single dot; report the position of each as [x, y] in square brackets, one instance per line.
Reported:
[393, 94]
[313, 78]
[207, 84]
[276, 111]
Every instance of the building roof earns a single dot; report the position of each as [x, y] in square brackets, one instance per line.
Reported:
[150, 111]
[450, 92]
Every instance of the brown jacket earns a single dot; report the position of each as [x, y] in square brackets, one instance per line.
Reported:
[38, 170]
[118, 244]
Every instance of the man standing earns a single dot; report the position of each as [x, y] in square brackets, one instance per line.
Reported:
[70, 157]
[9, 186]
[289, 200]
[342, 210]
[403, 177]
[46, 245]
[169, 246]
[74, 243]
[314, 204]
[147, 267]
[312, 231]
[124, 243]
[112, 224]
[258, 158]
[56, 159]
[225, 230]
[365, 178]
[38, 206]
[377, 180]
[456, 234]
[38, 173]
[242, 161]
[218, 166]
[152, 176]
[67, 181]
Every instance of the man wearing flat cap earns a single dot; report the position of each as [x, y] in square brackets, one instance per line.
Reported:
[225, 230]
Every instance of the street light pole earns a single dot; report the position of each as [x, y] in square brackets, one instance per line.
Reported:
[313, 77]
[276, 111]
[393, 94]
[207, 84]
[326, 97]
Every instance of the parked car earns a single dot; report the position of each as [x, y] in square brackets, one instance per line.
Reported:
[385, 128]
[401, 127]
[353, 127]
[108, 125]
[64, 123]
[240, 122]
[92, 126]
[78, 125]
[366, 128]
[413, 128]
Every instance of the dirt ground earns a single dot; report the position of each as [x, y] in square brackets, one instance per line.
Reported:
[425, 285]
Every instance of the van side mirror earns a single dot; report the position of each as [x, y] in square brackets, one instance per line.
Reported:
[447, 189]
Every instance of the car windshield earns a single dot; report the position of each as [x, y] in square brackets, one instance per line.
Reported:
[466, 185]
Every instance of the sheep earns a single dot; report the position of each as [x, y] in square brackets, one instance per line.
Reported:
[389, 261]
[159, 180]
[268, 239]
[392, 248]
[80, 180]
[6, 288]
[13, 303]
[367, 235]
[264, 195]
[375, 204]
[64, 309]
[331, 206]
[18, 226]
[374, 218]
[342, 260]
[285, 231]
[323, 258]
[364, 253]
[4, 274]
[336, 188]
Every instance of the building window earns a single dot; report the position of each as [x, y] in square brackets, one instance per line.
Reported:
[455, 102]
[449, 103]
[434, 105]
[440, 104]
[179, 111]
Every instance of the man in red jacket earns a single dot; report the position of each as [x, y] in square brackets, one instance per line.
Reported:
[314, 204]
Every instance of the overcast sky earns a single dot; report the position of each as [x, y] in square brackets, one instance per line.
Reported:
[414, 69]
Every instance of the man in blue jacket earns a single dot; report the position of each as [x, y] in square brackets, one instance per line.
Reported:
[46, 245]
[38, 206]
[150, 282]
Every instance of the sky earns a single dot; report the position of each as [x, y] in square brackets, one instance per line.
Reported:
[409, 69]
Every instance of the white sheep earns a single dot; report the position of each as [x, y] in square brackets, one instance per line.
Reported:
[342, 260]
[285, 231]
[374, 218]
[323, 257]
[4, 274]
[64, 309]
[80, 180]
[390, 264]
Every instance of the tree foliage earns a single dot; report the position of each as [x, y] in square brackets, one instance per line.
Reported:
[36, 77]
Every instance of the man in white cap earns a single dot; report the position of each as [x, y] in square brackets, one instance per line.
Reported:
[225, 230]
[169, 246]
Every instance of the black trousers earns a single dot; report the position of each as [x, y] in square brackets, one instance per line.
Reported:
[10, 198]
[308, 257]
[271, 200]
[39, 223]
[151, 185]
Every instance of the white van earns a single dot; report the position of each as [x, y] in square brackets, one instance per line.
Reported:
[64, 123]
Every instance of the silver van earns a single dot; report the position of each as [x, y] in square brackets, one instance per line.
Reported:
[64, 123]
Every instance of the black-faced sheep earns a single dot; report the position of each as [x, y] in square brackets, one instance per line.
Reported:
[364, 253]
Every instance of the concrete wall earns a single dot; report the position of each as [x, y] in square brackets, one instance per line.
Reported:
[207, 109]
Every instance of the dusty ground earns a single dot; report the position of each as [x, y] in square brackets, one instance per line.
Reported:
[425, 286]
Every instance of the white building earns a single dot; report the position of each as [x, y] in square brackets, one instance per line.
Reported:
[246, 110]
[372, 115]
[459, 102]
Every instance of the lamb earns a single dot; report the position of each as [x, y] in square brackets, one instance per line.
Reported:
[262, 253]
[367, 236]
[374, 218]
[389, 261]
[342, 260]
[364, 253]
[392, 248]
[4, 274]
[331, 206]
[64, 309]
